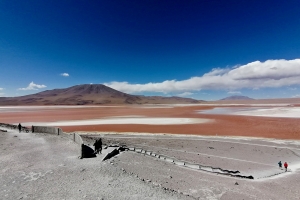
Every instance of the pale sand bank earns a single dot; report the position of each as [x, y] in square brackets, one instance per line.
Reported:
[286, 112]
[124, 120]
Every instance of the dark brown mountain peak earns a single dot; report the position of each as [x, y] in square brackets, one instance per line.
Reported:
[89, 94]
[91, 89]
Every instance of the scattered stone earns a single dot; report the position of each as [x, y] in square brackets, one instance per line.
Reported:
[236, 183]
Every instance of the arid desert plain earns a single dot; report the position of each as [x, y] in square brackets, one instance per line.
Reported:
[188, 151]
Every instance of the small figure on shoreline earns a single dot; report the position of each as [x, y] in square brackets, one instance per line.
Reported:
[98, 146]
[285, 166]
[19, 127]
[280, 164]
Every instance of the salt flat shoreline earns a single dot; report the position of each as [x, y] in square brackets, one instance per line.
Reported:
[104, 119]
[251, 156]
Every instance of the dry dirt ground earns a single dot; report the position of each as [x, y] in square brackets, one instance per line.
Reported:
[44, 166]
[249, 156]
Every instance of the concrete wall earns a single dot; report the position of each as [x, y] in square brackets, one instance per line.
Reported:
[46, 129]
[77, 139]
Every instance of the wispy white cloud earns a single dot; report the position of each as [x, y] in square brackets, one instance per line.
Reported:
[1, 89]
[2, 94]
[234, 92]
[33, 86]
[292, 88]
[184, 94]
[65, 74]
[254, 75]
[296, 96]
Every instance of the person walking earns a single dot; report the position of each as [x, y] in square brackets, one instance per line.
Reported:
[280, 164]
[19, 127]
[285, 166]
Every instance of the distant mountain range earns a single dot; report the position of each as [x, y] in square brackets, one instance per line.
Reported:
[90, 94]
[237, 97]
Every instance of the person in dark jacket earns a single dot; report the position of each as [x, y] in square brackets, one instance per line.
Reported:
[280, 164]
[285, 166]
[19, 127]
[98, 146]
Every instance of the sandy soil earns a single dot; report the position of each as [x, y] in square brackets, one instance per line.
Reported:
[230, 125]
[43, 166]
[256, 157]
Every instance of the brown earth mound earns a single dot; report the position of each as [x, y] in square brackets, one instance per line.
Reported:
[90, 94]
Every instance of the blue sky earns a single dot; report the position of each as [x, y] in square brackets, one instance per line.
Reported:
[199, 49]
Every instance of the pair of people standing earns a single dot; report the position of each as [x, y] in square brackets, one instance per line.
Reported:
[285, 165]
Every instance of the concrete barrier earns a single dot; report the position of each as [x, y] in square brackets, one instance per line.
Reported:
[162, 157]
[178, 162]
[46, 129]
[192, 166]
[169, 160]
[111, 154]
[77, 139]
[138, 150]
[173, 160]
[206, 168]
[87, 152]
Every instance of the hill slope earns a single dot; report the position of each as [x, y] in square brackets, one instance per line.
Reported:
[88, 94]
